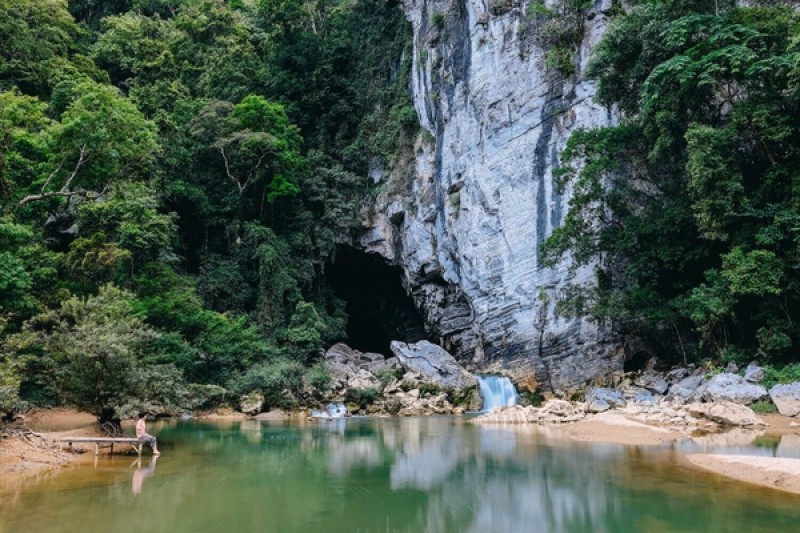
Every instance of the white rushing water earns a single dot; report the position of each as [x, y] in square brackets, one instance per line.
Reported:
[496, 392]
[333, 410]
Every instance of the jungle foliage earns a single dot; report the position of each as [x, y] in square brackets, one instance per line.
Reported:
[174, 175]
[690, 207]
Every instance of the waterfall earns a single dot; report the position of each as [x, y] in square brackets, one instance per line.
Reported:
[497, 392]
[333, 410]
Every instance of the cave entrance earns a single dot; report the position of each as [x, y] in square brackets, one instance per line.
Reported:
[378, 308]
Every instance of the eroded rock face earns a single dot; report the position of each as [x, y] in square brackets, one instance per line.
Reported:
[466, 214]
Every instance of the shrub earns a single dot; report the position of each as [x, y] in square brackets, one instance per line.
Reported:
[386, 375]
[362, 397]
[319, 377]
[428, 387]
[786, 374]
[272, 378]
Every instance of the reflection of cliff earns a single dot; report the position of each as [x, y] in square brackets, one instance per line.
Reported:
[490, 479]
[425, 458]
[348, 454]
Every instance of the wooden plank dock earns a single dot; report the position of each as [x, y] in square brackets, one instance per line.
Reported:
[135, 443]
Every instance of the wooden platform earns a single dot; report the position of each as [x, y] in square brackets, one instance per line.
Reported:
[135, 443]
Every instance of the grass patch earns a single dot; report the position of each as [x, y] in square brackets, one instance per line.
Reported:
[763, 408]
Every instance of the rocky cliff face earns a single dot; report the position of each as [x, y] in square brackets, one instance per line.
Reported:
[466, 215]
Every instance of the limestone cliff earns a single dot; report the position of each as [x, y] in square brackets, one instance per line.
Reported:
[466, 215]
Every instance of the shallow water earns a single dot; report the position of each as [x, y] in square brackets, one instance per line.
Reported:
[414, 474]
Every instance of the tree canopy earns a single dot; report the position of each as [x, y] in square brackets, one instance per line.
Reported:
[689, 207]
[174, 176]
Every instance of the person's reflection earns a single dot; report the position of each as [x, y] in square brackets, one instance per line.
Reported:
[142, 473]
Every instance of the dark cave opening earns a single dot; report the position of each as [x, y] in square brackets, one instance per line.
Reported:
[637, 362]
[378, 308]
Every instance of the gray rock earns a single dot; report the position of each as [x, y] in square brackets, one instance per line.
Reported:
[677, 374]
[653, 382]
[345, 363]
[754, 373]
[598, 406]
[732, 388]
[732, 368]
[686, 387]
[613, 397]
[726, 413]
[644, 398]
[251, 403]
[433, 364]
[786, 398]
[363, 380]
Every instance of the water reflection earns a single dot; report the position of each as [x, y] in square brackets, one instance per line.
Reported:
[415, 474]
[142, 473]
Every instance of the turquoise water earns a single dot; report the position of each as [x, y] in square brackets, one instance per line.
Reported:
[379, 475]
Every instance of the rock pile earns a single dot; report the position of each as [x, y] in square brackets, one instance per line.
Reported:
[421, 379]
[682, 399]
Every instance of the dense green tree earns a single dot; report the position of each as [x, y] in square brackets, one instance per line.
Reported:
[33, 37]
[98, 345]
[691, 203]
[205, 155]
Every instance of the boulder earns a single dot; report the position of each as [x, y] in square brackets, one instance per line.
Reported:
[754, 373]
[363, 380]
[275, 414]
[726, 413]
[644, 397]
[652, 382]
[251, 403]
[613, 397]
[686, 388]
[345, 363]
[433, 363]
[598, 406]
[727, 387]
[786, 398]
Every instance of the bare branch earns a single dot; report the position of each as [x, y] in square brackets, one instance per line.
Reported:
[64, 192]
[228, 171]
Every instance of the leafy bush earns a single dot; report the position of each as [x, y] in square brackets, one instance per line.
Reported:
[386, 375]
[786, 374]
[319, 376]
[428, 387]
[276, 379]
[362, 397]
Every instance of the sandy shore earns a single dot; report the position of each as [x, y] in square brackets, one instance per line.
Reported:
[34, 454]
[773, 472]
[614, 428]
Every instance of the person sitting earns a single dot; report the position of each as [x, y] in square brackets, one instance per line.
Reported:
[144, 436]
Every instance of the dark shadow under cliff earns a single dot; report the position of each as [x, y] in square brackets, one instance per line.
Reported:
[378, 307]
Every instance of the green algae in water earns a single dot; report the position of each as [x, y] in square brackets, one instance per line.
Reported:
[370, 475]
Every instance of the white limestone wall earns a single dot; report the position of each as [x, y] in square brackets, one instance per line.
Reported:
[467, 216]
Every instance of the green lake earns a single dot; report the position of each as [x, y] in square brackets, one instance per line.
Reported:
[379, 475]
